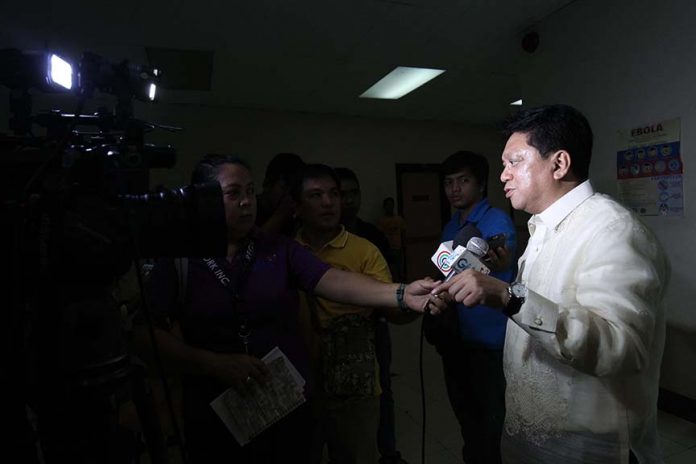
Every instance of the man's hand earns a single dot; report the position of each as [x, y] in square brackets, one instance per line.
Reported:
[472, 288]
[419, 296]
[238, 370]
[498, 259]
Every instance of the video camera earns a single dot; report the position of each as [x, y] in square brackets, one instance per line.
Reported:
[77, 215]
[102, 174]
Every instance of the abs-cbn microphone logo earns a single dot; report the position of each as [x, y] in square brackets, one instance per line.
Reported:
[451, 262]
[443, 257]
[444, 261]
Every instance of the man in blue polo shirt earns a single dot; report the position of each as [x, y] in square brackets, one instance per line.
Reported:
[472, 359]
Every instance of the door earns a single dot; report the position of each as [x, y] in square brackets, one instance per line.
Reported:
[424, 209]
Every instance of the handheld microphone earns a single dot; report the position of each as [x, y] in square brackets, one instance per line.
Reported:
[446, 254]
[464, 252]
[467, 232]
[478, 246]
[470, 258]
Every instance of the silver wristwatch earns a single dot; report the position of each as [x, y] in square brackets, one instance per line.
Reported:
[517, 291]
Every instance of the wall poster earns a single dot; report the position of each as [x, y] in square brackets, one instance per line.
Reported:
[649, 169]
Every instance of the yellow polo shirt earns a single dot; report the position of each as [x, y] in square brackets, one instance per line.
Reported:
[350, 253]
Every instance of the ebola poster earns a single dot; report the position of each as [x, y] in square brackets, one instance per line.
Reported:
[649, 169]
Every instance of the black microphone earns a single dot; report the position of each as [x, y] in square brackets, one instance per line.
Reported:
[465, 234]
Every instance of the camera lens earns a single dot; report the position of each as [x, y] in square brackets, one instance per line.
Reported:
[184, 221]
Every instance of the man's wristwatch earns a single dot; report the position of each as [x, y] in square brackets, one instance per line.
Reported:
[517, 292]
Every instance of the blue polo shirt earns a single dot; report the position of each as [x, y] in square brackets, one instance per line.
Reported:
[481, 325]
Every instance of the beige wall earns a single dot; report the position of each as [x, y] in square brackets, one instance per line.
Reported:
[627, 63]
[371, 147]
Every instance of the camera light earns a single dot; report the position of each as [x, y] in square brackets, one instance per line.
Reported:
[40, 70]
[151, 93]
[60, 72]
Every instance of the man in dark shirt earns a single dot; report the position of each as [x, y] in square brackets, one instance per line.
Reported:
[350, 207]
[276, 208]
[351, 200]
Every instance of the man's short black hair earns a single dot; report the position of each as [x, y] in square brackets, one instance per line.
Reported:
[208, 167]
[313, 171]
[550, 128]
[283, 166]
[473, 162]
[346, 174]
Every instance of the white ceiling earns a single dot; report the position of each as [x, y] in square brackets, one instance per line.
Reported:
[311, 56]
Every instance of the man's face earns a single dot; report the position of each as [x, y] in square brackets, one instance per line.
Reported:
[320, 204]
[239, 199]
[528, 178]
[462, 189]
[350, 199]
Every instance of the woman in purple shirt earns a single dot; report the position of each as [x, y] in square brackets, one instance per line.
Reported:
[237, 308]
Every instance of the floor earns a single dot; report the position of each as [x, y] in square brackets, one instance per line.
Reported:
[443, 442]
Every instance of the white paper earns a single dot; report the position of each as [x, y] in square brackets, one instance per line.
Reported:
[247, 415]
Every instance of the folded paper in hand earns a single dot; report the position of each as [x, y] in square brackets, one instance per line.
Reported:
[248, 414]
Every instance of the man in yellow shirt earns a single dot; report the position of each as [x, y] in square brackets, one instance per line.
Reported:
[347, 400]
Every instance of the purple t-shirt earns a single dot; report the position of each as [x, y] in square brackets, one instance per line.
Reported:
[269, 300]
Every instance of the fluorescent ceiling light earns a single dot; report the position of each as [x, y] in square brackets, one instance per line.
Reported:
[516, 103]
[401, 81]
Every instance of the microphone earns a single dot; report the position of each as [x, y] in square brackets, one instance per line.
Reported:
[452, 257]
[470, 258]
[465, 234]
[445, 255]
[478, 246]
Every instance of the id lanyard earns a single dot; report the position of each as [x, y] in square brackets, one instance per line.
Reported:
[235, 289]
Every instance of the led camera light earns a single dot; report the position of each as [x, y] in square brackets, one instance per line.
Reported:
[45, 71]
[60, 72]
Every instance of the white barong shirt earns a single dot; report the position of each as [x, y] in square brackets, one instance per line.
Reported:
[582, 357]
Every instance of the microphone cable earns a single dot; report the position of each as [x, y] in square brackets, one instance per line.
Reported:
[422, 388]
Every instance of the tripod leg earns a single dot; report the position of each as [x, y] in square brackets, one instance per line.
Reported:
[147, 414]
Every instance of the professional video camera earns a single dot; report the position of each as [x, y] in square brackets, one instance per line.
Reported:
[77, 215]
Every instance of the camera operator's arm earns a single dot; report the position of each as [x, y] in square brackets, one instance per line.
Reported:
[177, 356]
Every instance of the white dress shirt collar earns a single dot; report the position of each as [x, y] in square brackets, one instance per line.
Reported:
[552, 216]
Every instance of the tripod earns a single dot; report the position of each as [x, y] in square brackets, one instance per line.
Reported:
[83, 376]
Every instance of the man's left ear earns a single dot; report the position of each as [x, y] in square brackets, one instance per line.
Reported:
[561, 165]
